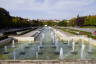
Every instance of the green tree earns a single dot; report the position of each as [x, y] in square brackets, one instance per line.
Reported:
[5, 18]
[62, 23]
[90, 20]
[72, 22]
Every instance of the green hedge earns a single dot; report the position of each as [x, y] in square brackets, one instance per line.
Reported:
[3, 37]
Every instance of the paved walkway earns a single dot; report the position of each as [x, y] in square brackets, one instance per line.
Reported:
[83, 29]
[29, 33]
[26, 37]
[65, 33]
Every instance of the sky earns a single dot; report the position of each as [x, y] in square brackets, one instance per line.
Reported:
[49, 9]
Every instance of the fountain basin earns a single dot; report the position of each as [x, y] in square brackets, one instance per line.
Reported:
[5, 52]
[56, 52]
[74, 52]
[22, 53]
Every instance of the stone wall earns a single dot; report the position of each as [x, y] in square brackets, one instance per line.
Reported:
[48, 62]
[24, 39]
[5, 41]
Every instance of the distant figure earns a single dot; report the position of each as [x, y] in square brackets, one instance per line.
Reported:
[94, 33]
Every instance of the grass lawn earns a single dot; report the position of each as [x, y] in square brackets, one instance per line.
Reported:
[88, 27]
[75, 32]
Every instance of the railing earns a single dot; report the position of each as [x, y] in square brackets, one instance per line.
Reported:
[48, 62]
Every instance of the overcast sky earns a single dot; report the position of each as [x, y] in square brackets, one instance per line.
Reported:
[49, 9]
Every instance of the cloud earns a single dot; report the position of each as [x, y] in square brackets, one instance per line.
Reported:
[43, 4]
[52, 8]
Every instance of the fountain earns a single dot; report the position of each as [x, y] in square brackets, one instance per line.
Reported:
[90, 46]
[56, 44]
[68, 42]
[82, 50]
[14, 55]
[38, 48]
[40, 43]
[36, 55]
[27, 47]
[5, 50]
[61, 56]
[41, 40]
[73, 46]
[52, 34]
[55, 40]
[22, 49]
[13, 43]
